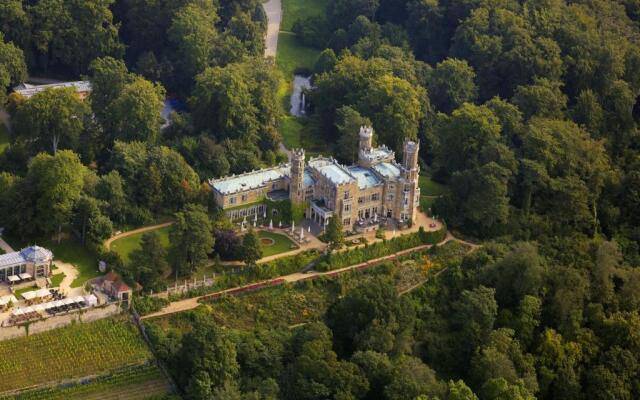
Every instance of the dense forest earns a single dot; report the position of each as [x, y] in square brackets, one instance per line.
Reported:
[527, 111]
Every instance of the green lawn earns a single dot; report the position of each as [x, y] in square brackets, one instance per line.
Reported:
[281, 243]
[56, 279]
[4, 138]
[126, 245]
[293, 56]
[293, 10]
[20, 291]
[429, 187]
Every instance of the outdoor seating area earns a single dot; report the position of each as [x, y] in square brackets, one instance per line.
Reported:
[37, 296]
[63, 305]
[6, 301]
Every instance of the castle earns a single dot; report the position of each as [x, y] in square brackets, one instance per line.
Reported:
[376, 190]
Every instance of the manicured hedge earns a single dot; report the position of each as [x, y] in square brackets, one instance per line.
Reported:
[384, 248]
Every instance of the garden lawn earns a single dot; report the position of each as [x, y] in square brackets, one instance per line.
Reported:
[73, 252]
[18, 293]
[57, 279]
[281, 243]
[74, 351]
[293, 10]
[126, 245]
[4, 138]
[428, 187]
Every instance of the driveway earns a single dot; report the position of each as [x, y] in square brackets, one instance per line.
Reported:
[273, 9]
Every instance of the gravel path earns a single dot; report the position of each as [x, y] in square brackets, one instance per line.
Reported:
[273, 8]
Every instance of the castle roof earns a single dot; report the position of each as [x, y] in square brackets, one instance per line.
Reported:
[334, 172]
[366, 178]
[28, 90]
[388, 170]
[378, 153]
[249, 180]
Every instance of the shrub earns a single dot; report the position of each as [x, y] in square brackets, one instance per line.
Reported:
[147, 304]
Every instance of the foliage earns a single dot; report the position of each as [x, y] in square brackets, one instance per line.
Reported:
[147, 304]
[251, 251]
[191, 239]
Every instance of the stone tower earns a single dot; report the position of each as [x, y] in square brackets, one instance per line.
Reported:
[411, 172]
[296, 187]
[410, 160]
[366, 139]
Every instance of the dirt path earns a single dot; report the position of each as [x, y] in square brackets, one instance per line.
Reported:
[273, 9]
[108, 242]
[5, 246]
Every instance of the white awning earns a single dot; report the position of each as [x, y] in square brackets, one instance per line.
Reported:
[28, 310]
[29, 295]
[59, 303]
[14, 278]
[43, 293]
[79, 299]
[25, 276]
[4, 300]
[92, 300]
[18, 311]
[68, 301]
[39, 307]
[48, 306]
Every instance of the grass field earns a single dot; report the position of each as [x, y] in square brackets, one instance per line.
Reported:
[281, 243]
[72, 352]
[126, 245]
[293, 56]
[132, 383]
[293, 10]
[4, 138]
[73, 252]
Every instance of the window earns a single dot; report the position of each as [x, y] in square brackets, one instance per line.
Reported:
[390, 197]
[375, 197]
[374, 210]
[346, 194]
[360, 200]
[346, 221]
[244, 198]
[347, 207]
[232, 200]
[273, 186]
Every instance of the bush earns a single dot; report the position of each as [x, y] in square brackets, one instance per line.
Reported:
[312, 31]
[147, 305]
[385, 248]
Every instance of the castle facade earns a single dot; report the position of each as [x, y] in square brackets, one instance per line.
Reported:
[377, 190]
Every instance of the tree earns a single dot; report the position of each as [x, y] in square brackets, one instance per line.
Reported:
[135, 113]
[74, 32]
[451, 84]
[348, 122]
[90, 222]
[500, 389]
[194, 35]
[341, 13]
[412, 378]
[13, 69]
[148, 264]
[191, 239]
[543, 99]
[110, 189]
[334, 234]
[52, 119]
[108, 79]
[251, 250]
[57, 181]
[396, 109]
[207, 359]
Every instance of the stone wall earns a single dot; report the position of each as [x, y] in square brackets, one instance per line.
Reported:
[59, 321]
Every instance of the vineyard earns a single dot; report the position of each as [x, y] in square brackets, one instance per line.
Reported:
[72, 352]
[131, 383]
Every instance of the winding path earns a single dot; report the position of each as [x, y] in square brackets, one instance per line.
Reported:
[108, 242]
[273, 9]
[191, 303]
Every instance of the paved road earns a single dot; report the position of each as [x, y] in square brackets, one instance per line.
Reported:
[108, 242]
[273, 9]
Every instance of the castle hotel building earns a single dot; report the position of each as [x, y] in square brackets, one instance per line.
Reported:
[377, 189]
